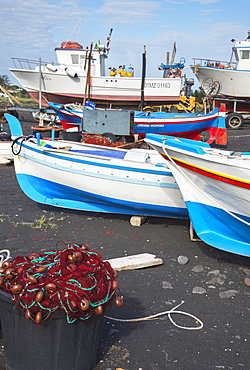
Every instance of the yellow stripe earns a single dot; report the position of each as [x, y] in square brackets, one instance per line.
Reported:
[212, 172]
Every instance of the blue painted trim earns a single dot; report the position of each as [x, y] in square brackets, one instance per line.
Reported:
[119, 179]
[83, 161]
[180, 143]
[58, 195]
[219, 229]
[14, 124]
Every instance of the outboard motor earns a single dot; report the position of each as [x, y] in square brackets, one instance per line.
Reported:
[189, 82]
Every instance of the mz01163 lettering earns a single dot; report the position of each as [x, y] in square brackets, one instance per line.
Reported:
[157, 85]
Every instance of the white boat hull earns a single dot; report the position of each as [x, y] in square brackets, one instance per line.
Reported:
[228, 79]
[227, 82]
[95, 178]
[104, 90]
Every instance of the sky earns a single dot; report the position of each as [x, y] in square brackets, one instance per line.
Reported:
[201, 29]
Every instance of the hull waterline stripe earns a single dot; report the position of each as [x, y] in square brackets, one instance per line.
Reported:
[212, 174]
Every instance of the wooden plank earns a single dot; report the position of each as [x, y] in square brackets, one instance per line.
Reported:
[136, 261]
[4, 161]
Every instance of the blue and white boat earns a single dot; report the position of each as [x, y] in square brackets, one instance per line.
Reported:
[95, 178]
[215, 185]
[187, 125]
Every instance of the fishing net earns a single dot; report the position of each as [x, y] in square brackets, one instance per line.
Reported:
[74, 280]
[100, 140]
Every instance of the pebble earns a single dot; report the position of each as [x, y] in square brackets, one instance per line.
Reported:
[228, 293]
[216, 280]
[198, 268]
[182, 260]
[246, 272]
[198, 290]
[247, 281]
[166, 285]
[214, 272]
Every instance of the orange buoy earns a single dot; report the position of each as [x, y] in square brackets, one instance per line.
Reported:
[84, 305]
[99, 310]
[119, 301]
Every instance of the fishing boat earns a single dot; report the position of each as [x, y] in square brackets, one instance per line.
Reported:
[215, 185]
[188, 125]
[220, 78]
[79, 73]
[94, 178]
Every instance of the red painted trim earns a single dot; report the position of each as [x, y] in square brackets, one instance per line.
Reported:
[205, 173]
[114, 99]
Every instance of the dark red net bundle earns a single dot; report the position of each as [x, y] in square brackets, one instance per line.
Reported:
[74, 280]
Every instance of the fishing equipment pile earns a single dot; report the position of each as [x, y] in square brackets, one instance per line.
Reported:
[74, 280]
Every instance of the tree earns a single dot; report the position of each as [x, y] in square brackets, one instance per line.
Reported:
[199, 94]
[4, 80]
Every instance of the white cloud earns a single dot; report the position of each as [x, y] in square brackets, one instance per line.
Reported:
[175, 2]
[205, 1]
[127, 10]
[208, 11]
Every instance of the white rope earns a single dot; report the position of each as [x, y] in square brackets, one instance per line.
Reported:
[169, 313]
[201, 191]
[4, 256]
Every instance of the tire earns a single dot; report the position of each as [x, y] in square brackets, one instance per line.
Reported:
[204, 136]
[122, 139]
[110, 137]
[234, 121]
[13, 113]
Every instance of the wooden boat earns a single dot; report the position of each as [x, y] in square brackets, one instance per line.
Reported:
[187, 125]
[95, 178]
[80, 73]
[215, 185]
[226, 78]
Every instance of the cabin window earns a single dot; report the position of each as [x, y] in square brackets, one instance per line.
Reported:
[244, 54]
[75, 59]
[82, 59]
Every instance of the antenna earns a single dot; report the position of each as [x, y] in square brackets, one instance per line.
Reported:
[73, 32]
[173, 54]
[109, 39]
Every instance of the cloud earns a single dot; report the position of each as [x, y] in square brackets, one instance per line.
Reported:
[129, 11]
[175, 2]
[208, 11]
[203, 2]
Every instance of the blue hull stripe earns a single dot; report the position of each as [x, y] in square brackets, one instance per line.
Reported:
[180, 128]
[217, 228]
[51, 193]
[92, 163]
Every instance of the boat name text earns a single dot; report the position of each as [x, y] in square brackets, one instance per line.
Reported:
[157, 85]
[149, 125]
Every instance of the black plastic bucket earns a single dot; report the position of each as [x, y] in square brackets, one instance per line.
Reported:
[72, 135]
[54, 345]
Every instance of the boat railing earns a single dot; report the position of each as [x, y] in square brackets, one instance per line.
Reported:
[214, 63]
[27, 63]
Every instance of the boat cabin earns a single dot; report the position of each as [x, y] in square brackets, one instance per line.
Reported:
[74, 55]
[241, 52]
